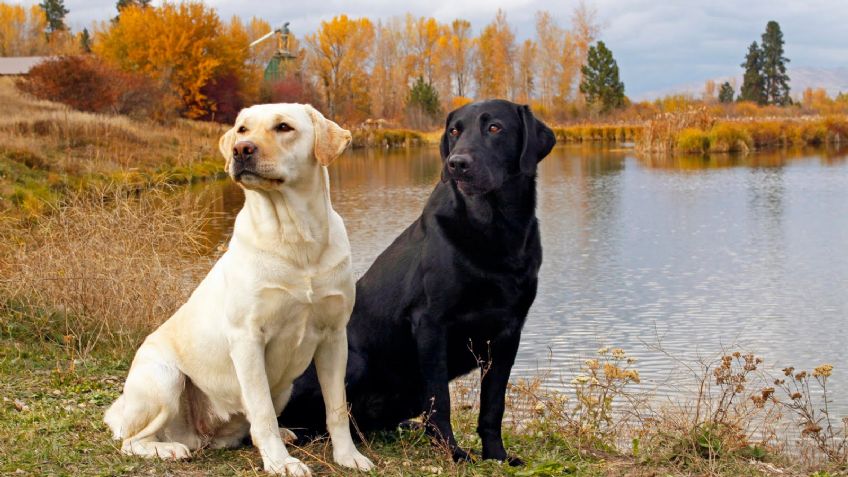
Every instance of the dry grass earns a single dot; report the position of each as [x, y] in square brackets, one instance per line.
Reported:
[597, 133]
[103, 267]
[698, 131]
[48, 150]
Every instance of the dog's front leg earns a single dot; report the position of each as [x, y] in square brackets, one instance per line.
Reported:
[330, 364]
[495, 375]
[431, 340]
[247, 351]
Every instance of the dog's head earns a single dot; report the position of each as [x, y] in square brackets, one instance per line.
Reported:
[272, 145]
[486, 142]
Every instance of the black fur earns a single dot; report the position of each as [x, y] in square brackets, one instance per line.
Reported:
[452, 292]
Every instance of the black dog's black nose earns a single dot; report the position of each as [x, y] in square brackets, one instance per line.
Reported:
[243, 150]
[460, 162]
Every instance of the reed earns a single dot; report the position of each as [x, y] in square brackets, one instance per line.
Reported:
[698, 131]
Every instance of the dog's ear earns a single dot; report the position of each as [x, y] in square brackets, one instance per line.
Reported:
[331, 140]
[538, 141]
[225, 144]
[444, 145]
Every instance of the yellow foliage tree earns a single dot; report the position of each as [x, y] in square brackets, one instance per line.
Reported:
[184, 44]
[388, 83]
[22, 31]
[338, 54]
[422, 37]
[526, 71]
[456, 49]
[495, 50]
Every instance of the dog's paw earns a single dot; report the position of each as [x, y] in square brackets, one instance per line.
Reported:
[460, 455]
[288, 436]
[288, 466]
[353, 460]
[162, 450]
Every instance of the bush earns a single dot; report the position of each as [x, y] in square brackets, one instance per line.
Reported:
[693, 140]
[727, 137]
[87, 84]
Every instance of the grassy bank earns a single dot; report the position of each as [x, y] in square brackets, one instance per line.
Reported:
[391, 138]
[48, 150]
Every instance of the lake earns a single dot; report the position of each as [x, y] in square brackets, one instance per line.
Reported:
[673, 259]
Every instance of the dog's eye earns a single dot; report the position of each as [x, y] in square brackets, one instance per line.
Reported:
[284, 127]
[454, 132]
[494, 128]
[242, 129]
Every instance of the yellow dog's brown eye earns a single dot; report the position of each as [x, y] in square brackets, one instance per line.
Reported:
[494, 128]
[284, 127]
[454, 132]
[242, 129]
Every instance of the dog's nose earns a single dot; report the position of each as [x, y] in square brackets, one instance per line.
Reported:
[244, 150]
[459, 162]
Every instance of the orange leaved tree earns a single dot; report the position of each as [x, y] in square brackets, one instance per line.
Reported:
[22, 30]
[184, 44]
[338, 55]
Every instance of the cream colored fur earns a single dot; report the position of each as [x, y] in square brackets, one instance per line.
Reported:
[222, 366]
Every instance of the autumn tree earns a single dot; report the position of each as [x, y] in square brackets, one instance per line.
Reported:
[339, 56]
[388, 82]
[422, 36]
[458, 49]
[525, 71]
[773, 66]
[725, 93]
[495, 58]
[709, 91]
[551, 42]
[585, 29]
[22, 30]
[54, 11]
[601, 86]
[185, 45]
[753, 86]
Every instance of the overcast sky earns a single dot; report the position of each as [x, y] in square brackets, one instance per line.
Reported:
[658, 44]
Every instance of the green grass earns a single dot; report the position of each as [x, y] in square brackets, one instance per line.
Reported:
[53, 404]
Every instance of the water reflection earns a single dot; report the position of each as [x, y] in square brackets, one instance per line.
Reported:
[681, 256]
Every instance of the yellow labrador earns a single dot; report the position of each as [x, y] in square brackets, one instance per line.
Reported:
[223, 364]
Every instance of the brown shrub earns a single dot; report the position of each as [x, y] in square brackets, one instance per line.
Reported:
[87, 84]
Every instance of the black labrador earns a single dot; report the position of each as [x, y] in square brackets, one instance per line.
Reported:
[452, 292]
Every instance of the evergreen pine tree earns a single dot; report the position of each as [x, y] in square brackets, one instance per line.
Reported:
[725, 93]
[55, 12]
[129, 3]
[753, 88]
[600, 83]
[424, 96]
[85, 41]
[122, 4]
[775, 79]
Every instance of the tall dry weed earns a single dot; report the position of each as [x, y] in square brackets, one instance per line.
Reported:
[103, 265]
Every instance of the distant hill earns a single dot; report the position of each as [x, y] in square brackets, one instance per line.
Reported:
[833, 80]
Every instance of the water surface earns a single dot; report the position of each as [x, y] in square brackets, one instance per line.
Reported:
[672, 259]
